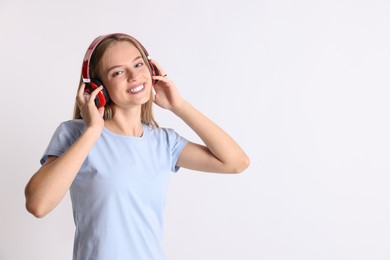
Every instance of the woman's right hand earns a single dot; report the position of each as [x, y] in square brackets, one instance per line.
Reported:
[92, 116]
[50, 183]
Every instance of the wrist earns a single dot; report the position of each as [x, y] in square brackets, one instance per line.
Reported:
[93, 131]
[179, 108]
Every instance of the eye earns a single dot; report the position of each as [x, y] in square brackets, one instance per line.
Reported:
[117, 73]
[138, 65]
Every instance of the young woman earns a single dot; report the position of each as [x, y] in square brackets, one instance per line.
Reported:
[114, 158]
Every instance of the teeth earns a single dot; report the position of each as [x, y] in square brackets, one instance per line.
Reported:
[136, 89]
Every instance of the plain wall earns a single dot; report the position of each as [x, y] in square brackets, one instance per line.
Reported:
[303, 86]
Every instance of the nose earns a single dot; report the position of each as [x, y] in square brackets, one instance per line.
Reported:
[131, 75]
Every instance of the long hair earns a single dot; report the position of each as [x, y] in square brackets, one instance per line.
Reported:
[147, 108]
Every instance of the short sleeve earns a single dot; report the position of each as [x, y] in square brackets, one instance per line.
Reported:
[62, 139]
[176, 145]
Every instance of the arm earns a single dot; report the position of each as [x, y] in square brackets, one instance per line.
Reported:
[220, 153]
[50, 183]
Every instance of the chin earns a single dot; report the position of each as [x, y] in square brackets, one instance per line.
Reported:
[144, 99]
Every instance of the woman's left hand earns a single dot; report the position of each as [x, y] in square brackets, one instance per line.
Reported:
[167, 95]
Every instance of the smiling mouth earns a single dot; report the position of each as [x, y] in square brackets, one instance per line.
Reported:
[136, 89]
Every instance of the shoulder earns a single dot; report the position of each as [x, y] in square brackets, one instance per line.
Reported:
[165, 135]
[74, 123]
[72, 127]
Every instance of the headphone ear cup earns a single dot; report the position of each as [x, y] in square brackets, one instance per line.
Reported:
[102, 97]
[155, 71]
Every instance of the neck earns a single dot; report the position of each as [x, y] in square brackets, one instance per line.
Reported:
[126, 123]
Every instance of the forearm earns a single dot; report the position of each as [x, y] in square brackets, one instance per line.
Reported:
[49, 185]
[219, 143]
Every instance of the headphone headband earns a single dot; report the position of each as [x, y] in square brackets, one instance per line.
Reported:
[87, 58]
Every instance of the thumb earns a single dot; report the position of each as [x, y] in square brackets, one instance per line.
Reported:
[101, 111]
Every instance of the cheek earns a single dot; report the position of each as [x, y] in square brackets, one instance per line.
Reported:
[106, 83]
[110, 88]
[107, 86]
[148, 77]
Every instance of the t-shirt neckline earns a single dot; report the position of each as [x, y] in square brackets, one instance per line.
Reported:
[144, 127]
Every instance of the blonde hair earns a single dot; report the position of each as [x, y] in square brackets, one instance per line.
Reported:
[101, 48]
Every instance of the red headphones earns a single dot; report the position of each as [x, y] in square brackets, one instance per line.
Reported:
[102, 97]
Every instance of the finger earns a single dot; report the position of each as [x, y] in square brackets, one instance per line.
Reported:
[94, 93]
[161, 78]
[80, 93]
[81, 89]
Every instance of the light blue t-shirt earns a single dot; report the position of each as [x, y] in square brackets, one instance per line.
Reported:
[118, 196]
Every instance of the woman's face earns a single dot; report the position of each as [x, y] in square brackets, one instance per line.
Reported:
[125, 75]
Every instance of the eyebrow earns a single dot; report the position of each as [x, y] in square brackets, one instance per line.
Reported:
[116, 66]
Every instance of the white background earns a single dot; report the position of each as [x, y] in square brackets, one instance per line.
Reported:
[303, 86]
